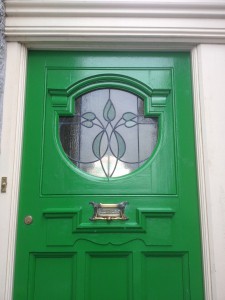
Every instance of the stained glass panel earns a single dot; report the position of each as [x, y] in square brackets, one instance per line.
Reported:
[109, 136]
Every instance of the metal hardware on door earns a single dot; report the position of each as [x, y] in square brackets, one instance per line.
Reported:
[3, 184]
[28, 220]
[109, 212]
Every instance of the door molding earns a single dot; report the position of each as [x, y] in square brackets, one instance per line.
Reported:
[23, 32]
[10, 159]
[184, 23]
[201, 167]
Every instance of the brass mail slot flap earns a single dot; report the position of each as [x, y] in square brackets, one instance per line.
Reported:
[114, 211]
[108, 205]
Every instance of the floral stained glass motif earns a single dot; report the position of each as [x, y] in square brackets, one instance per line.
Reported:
[109, 136]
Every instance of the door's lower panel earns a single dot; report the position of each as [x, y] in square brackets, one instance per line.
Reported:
[109, 275]
[165, 276]
[51, 276]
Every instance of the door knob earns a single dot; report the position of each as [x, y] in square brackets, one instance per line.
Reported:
[28, 220]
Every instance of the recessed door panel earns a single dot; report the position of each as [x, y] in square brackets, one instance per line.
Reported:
[166, 276]
[108, 275]
[51, 276]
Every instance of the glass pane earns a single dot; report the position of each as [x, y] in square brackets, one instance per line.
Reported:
[109, 136]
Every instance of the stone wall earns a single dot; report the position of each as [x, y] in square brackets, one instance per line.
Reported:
[2, 58]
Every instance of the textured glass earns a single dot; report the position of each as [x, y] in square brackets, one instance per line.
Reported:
[109, 135]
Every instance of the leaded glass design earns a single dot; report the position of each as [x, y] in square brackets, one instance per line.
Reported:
[109, 136]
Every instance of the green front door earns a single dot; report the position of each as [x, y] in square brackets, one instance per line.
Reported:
[116, 130]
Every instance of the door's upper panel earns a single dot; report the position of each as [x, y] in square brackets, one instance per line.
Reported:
[116, 95]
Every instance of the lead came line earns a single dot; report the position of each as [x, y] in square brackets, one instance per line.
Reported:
[113, 137]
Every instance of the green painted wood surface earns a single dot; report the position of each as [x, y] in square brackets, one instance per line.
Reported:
[156, 254]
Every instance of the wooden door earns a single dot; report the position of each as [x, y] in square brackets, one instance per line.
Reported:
[117, 130]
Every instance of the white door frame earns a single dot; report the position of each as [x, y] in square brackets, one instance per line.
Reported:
[198, 28]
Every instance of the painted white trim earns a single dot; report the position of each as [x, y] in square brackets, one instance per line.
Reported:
[119, 21]
[201, 167]
[10, 159]
[158, 9]
[212, 94]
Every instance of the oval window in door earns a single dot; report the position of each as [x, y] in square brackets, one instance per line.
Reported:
[108, 136]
